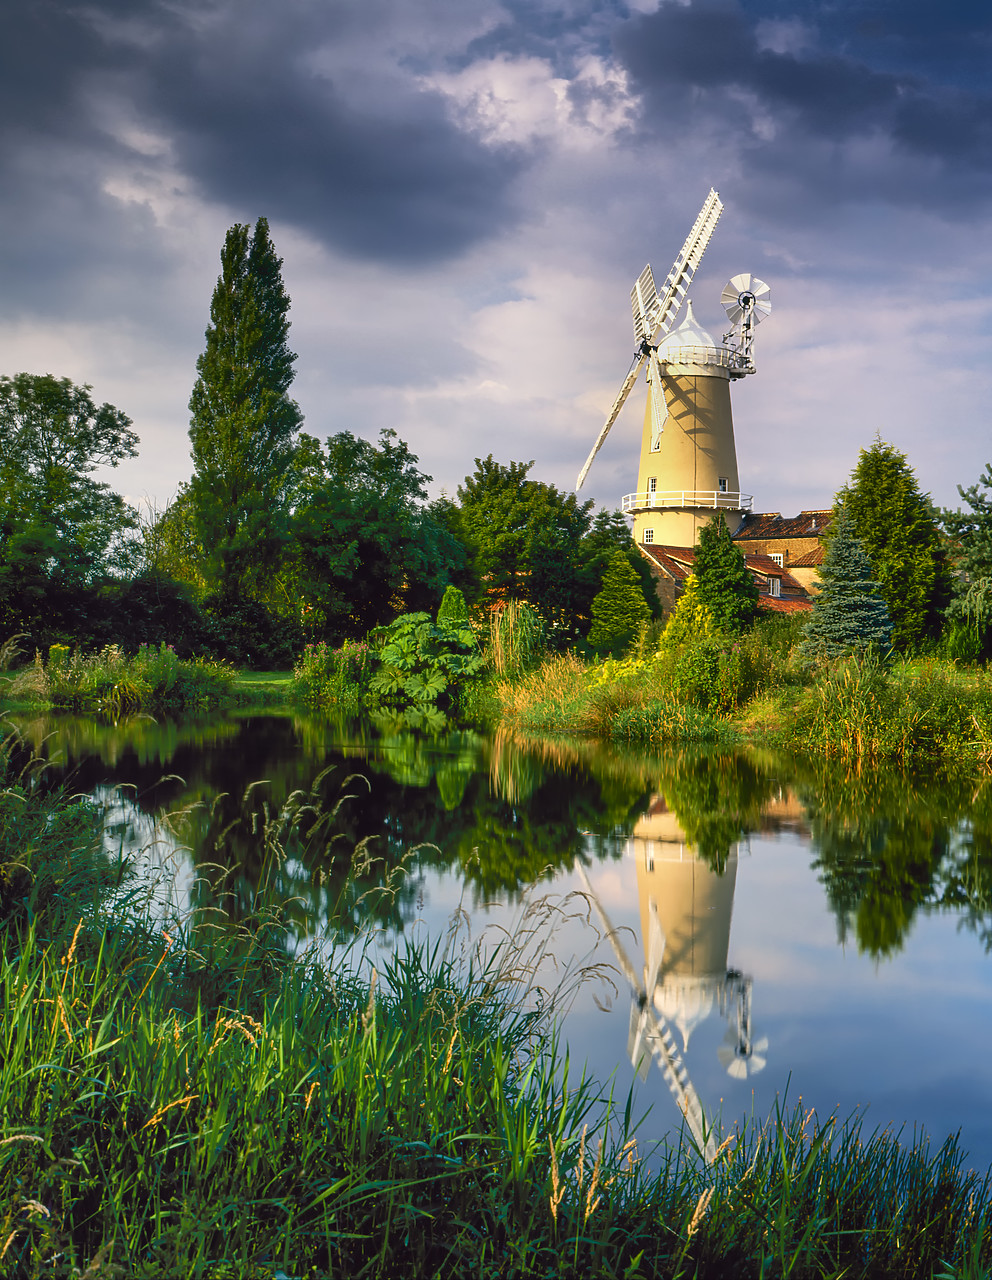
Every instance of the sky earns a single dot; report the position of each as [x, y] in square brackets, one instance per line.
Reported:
[463, 192]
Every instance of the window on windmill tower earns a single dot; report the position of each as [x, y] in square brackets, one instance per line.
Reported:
[652, 489]
[723, 484]
[649, 535]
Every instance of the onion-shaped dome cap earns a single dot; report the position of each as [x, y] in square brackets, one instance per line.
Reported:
[690, 333]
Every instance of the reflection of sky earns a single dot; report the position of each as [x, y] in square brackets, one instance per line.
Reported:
[907, 1040]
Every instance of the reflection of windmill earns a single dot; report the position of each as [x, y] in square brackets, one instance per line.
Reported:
[682, 483]
[686, 910]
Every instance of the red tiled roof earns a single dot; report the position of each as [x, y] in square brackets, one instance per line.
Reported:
[679, 562]
[809, 561]
[776, 604]
[771, 524]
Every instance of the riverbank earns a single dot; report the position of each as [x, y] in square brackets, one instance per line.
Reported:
[191, 1098]
[746, 691]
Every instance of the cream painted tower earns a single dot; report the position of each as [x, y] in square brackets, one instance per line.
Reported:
[688, 469]
[688, 465]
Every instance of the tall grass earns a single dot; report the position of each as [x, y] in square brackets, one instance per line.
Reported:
[115, 685]
[859, 708]
[333, 677]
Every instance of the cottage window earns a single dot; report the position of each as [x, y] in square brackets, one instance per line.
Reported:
[777, 557]
[774, 586]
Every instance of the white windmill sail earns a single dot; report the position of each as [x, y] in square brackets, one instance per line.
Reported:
[655, 313]
[649, 1029]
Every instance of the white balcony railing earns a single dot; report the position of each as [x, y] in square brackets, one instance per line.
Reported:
[675, 498]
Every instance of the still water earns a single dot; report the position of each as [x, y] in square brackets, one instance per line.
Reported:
[761, 927]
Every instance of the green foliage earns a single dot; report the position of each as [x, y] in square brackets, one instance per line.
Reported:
[452, 611]
[525, 537]
[366, 544]
[418, 1120]
[243, 422]
[620, 610]
[849, 614]
[690, 620]
[333, 677]
[114, 685]
[897, 528]
[608, 534]
[725, 585]
[971, 534]
[423, 664]
[860, 709]
[61, 532]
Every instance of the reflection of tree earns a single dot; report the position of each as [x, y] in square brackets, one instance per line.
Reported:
[717, 799]
[888, 844]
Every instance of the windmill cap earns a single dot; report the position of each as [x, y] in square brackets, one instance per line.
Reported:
[690, 333]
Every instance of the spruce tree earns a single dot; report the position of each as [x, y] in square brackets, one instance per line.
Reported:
[620, 610]
[897, 528]
[243, 421]
[726, 585]
[849, 613]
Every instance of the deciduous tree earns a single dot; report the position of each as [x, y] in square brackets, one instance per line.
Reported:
[61, 531]
[970, 532]
[524, 536]
[366, 544]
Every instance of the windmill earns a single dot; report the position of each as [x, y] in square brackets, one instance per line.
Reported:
[688, 376]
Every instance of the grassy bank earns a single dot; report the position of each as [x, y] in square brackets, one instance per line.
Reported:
[759, 689]
[189, 1098]
[114, 685]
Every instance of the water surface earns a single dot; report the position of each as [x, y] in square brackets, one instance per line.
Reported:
[771, 927]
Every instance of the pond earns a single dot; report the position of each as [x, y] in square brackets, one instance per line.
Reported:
[733, 929]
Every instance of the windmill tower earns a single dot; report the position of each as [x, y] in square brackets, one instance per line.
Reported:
[688, 464]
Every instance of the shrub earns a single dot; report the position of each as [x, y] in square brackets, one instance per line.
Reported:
[422, 664]
[324, 676]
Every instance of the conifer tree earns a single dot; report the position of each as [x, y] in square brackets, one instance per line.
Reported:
[897, 528]
[849, 613]
[620, 610]
[726, 585]
[243, 421]
[690, 620]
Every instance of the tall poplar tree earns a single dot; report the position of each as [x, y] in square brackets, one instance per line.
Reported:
[243, 421]
[897, 528]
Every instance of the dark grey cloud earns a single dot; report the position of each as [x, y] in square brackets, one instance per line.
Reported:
[252, 119]
[707, 64]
